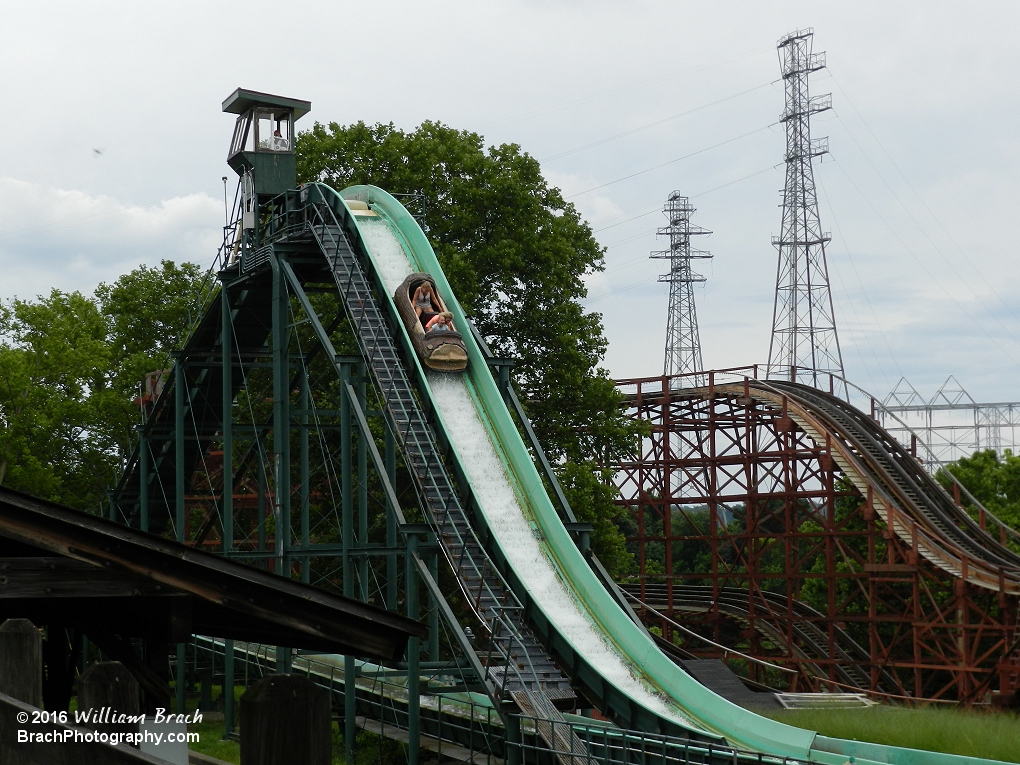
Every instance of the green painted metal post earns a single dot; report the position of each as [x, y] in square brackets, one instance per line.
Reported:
[350, 707]
[433, 606]
[182, 676]
[346, 500]
[281, 418]
[362, 490]
[143, 479]
[513, 738]
[281, 437]
[413, 654]
[227, 418]
[180, 382]
[306, 398]
[347, 530]
[228, 688]
[392, 583]
[261, 501]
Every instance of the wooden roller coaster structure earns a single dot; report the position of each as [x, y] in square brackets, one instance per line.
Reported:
[783, 522]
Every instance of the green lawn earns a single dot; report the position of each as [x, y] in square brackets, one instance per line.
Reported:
[211, 731]
[372, 749]
[986, 734]
[212, 743]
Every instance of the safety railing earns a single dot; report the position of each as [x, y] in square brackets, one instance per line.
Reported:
[508, 661]
[857, 396]
[451, 720]
[457, 722]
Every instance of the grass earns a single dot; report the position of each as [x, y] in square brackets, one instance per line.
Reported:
[986, 734]
[210, 732]
[991, 735]
[372, 749]
[211, 742]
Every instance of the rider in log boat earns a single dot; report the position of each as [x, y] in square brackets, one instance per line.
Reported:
[419, 304]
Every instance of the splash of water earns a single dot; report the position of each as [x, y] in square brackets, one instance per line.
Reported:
[505, 511]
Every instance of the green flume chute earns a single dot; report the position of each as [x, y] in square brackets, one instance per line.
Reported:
[740, 727]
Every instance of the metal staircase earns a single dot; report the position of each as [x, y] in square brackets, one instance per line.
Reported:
[517, 663]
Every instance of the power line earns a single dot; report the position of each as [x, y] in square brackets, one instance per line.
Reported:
[948, 293]
[656, 123]
[671, 162]
[867, 297]
[922, 229]
[693, 196]
[648, 82]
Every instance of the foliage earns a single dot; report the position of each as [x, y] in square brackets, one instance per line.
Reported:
[53, 393]
[148, 310]
[515, 253]
[988, 735]
[70, 365]
[993, 480]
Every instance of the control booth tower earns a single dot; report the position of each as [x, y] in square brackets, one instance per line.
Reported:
[262, 150]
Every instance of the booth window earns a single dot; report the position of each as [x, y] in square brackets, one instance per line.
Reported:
[273, 126]
[244, 138]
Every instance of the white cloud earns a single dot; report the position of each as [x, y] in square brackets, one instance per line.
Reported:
[52, 237]
[924, 92]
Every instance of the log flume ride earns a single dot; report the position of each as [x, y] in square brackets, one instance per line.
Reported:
[563, 633]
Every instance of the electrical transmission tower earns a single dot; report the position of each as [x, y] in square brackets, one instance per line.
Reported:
[804, 346]
[683, 345]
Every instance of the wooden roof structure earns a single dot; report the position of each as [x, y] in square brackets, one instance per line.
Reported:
[62, 566]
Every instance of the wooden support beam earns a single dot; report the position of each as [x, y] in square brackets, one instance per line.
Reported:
[59, 577]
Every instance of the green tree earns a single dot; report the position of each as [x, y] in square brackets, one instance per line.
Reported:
[993, 480]
[55, 435]
[70, 365]
[149, 313]
[515, 253]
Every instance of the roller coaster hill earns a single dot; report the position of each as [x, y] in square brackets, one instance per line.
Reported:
[297, 431]
[831, 549]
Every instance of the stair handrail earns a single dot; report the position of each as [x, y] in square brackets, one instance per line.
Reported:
[322, 227]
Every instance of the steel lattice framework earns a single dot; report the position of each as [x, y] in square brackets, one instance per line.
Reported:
[754, 532]
[683, 343]
[803, 322]
[952, 424]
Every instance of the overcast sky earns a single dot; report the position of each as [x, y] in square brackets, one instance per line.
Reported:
[115, 144]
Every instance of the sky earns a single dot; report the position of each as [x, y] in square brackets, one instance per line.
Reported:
[115, 149]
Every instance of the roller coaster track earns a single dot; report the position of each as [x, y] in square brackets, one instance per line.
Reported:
[812, 639]
[916, 507]
[543, 647]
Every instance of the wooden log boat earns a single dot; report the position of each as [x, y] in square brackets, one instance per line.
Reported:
[437, 350]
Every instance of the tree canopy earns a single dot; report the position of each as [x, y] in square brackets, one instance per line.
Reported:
[70, 366]
[515, 253]
[993, 480]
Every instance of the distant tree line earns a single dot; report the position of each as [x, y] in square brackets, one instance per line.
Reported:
[993, 480]
[515, 252]
[70, 369]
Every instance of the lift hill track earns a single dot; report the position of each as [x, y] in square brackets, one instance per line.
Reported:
[913, 577]
[298, 428]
